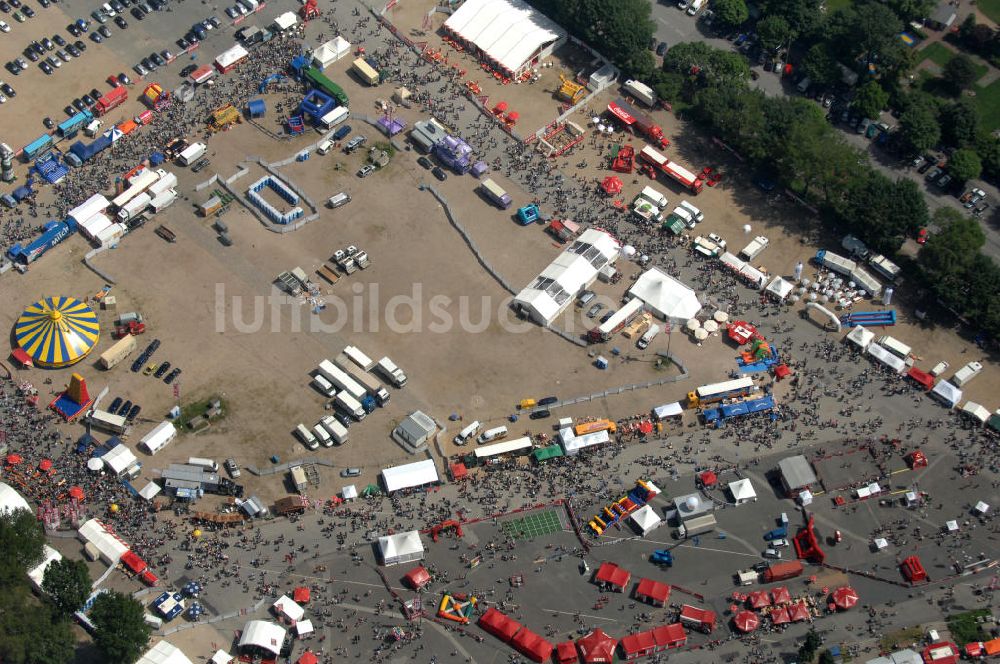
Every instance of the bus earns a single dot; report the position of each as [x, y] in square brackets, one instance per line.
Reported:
[37, 147]
[516, 447]
[319, 81]
[618, 320]
[495, 193]
[705, 394]
[69, 127]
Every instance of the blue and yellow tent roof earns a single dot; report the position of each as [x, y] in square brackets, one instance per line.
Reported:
[57, 331]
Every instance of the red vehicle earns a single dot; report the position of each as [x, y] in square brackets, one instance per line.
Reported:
[113, 81]
[639, 121]
[922, 236]
[624, 161]
[660, 163]
[134, 328]
[783, 571]
[113, 99]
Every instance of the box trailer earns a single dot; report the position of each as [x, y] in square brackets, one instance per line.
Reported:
[328, 273]
[298, 477]
[641, 92]
[341, 379]
[966, 373]
[337, 430]
[324, 387]
[835, 262]
[365, 71]
[696, 526]
[391, 372]
[359, 358]
[105, 421]
[118, 352]
[752, 250]
[191, 154]
[783, 571]
[351, 405]
[334, 117]
[654, 196]
[894, 346]
[884, 267]
[495, 193]
[369, 382]
[673, 170]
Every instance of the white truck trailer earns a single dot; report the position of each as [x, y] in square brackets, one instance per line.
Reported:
[391, 372]
[366, 380]
[337, 430]
[118, 352]
[752, 250]
[359, 358]
[350, 405]
[340, 379]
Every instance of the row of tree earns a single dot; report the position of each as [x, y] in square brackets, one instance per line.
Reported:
[37, 630]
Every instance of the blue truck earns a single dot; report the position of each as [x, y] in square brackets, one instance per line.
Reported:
[777, 533]
[662, 557]
[53, 233]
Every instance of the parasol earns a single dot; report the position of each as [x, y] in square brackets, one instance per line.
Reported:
[746, 621]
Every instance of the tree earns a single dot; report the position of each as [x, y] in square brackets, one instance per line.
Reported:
[773, 31]
[988, 149]
[965, 165]
[68, 583]
[122, 633]
[820, 66]
[909, 10]
[871, 99]
[960, 123]
[21, 540]
[804, 16]
[869, 29]
[919, 129]
[810, 645]
[703, 65]
[736, 114]
[960, 72]
[32, 633]
[826, 658]
[733, 13]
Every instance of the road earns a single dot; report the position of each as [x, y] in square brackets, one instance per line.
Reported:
[674, 27]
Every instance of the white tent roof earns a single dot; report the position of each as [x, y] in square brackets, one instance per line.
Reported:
[164, 653]
[860, 337]
[303, 627]
[574, 269]
[409, 475]
[150, 490]
[665, 296]
[263, 634]
[286, 606]
[668, 410]
[742, 490]
[90, 207]
[349, 492]
[574, 444]
[109, 545]
[286, 20]
[11, 500]
[400, 545]
[221, 657]
[231, 55]
[947, 392]
[973, 409]
[646, 519]
[331, 51]
[37, 573]
[780, 288]
[119, 459]
[509, 32]
[886, 358]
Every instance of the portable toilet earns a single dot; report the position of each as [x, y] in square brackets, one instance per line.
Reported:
[601, 362]
[256, 108]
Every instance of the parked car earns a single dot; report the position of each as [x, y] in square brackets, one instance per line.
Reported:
[661, 48]
[138, 13]
[105, 31]
[80, 44]
[96, 37]
[126, 407]
[47, 44]
[44, 66]
[124, 79]
[944, 181]
[121, 23]
[350, 472]
[73, 50]
[48, 123]
[58, 40]
[933, 174]
[594, 310]
[115, 405]
[922, 236]
[366, 170]
[172, 376]
[201, 163]
[232, 468]
[188, 70]
[134, 412]
[162, 369]
[425, 162]
[439, 173]
[540, 414]
[342, 133]
[88, 100]
[28, 11]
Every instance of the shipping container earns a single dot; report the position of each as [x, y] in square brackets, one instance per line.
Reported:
[118, 352]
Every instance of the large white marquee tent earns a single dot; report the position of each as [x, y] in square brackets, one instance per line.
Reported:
[666, 297]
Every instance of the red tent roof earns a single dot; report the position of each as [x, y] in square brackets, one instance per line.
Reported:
[418, 577]
[498, 624]
[913, 569]
[746, 621]
[942, 652]
[653, 590]
[611, 185]
[845, 597]
[759, 599]
[782, 371]
[701, 617]
[459, 471]
[781, 595]
[780, 616]
[301, 595]
[133, 562]
[669, 636]
[14, 459]
[614, 575]
[921, 377]
[638, 645]
[532, 646]
[708, 478]
[566, 653]
[76, 492]
[308, 658]
[597, 647]
[45, 465]
[798, 612]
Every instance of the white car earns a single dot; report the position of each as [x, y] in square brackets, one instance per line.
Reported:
[780, 542]
[772, 553]
[366, 170]
[4, 27]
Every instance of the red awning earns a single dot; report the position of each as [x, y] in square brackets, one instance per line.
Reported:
[611, 185]
[149, 578]
[746, 621]
[620, 113]
[22, 357]
[418, 577]
[780, 617]
[459, 471]
[638, 645]
[669, 636]
[780, 595]
[14, 459]
[654, 591]
[845, 597]
[782, 371]
[566, 653]
[921, 377]
[702, 617]
[133, 562]
[301, 595]
[597, 647]
[759, 599]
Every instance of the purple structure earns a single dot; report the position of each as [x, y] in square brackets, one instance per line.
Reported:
[455, 153]
[479, 169]
[391, 126]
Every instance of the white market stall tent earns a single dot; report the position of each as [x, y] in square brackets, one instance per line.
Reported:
[780, 288]
[975, 411]
[860, 337]
[742, 491]
[286, 606]
[885, 358]
[400, 548]
[164, 652]
[645, 520]
[947, 393]
[263, 635]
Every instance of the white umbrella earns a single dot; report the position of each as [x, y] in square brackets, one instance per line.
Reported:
[851, 284]
[700, 334]
[805, 282]
[794, 298]
[746, 228]
[720, 316]
[812, 297]
[824, 298]
[628, 251]
[693, 324]
[710, 326]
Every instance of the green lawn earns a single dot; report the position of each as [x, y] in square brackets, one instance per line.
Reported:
[834, 5]
[991, 8]
[940, 54]
[988, 102]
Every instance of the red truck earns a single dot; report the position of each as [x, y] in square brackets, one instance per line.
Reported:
[113, 99]
[660, 163]
[783, 571]
[639, 121]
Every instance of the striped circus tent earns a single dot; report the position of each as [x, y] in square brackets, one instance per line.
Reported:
[57, 331]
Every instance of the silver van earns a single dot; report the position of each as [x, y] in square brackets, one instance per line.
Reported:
[343, 198]
[492, 434]
[468, 432]
[585, 298]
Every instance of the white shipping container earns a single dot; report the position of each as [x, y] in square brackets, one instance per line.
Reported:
[111, 234]
[163, 200]
[192, 153]
[135, 206]
[167, 181]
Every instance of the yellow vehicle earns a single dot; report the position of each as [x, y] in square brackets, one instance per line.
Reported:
[570, 90]
[526, 404]
[150, 368]
[595, 426]
[223, 117]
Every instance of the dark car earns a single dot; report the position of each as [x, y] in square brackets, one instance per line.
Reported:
[28, 11]
[137, 365]
[193, 37]
[183, 43]
[73, 30]
[138, 13]
[47, 44]
[342, 418]
[547, 400]
[4, 7]
[125, 408]
[439, 173]
[121, 23]
[425, 162]
[45, 3]
[105, 31]
[134, 412]
[44, 66]
[80, 44]
[30, 53]
[606, 317]
[662, 48]
[594, 310]
[115, 405]
[68, 110]
[162, 369]
[10, 92]
[188, 70]
[124, 79]
[88, 100]
[49, 124]
[13, 68]
[342, 132]
[95, 93]
[59, 40]
[201, 163]
[540, 414]
[214, 22]
[96, 37]
[78, 104]
[37, 48]
[73, 50]
[171, 376]
[155, 57]
[166, 55]
[149, 65]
